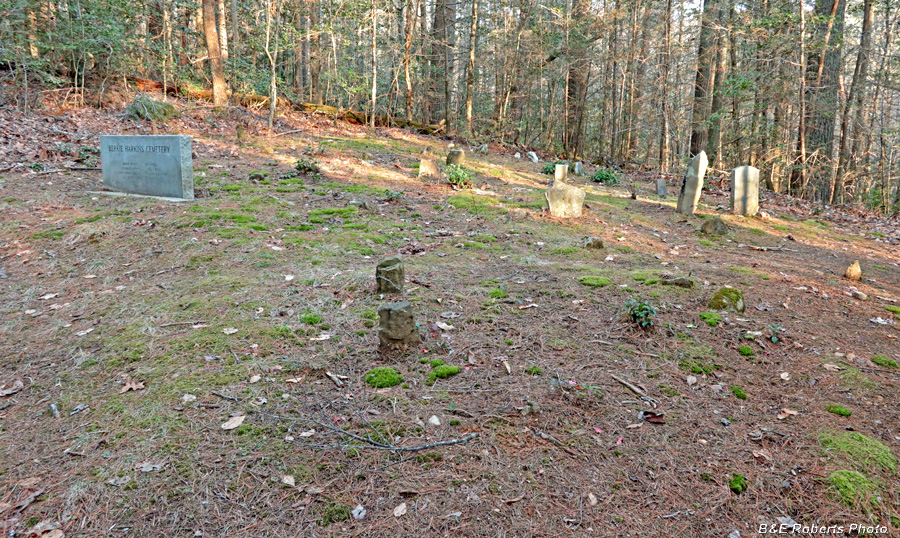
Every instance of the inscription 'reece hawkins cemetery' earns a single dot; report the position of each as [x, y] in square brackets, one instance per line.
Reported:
[148, 165]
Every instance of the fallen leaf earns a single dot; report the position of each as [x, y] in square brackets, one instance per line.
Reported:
[188, 398]
[119, 481]
[445, 326]
[320, 338]
[785, 413]
[149, 466]
[400, 510]
[527, 306]
[288, 278]
[449, 315]
[49, 296]
[832, 367]
[233, 422]
[84, 332]
[592, 499]
[131, 384]
[654, 418]
[229, 330]
[288, 480]
[293, 380]
[507, 366]
[762, 453]
[633, 426]
[255, 379]
[308, 433]
[90, 276]
[16, 386]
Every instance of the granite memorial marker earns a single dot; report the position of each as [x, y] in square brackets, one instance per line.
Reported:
[692, 185]
[148, 165]
[745, 190]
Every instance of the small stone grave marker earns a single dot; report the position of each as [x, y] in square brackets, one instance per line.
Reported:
[692, 185]
[745, 190]
[561, 172]
[148, 165]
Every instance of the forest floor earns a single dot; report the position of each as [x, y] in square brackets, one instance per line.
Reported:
[148, 325]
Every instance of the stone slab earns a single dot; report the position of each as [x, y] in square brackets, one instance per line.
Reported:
[745, 190]
[566, 201]
[692, 185]
[149, 165]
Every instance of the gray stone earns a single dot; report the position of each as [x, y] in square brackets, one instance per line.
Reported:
[429, 168]
[745, 190]
[565, 201]
[482, 149]
[714, 226]
[661, 186]
[361, 204]
[728, 299]
[533, 156]
[593, 242]
[856, 294]
[680, 281]
[518, 155]
[579, 169]
[389, 275]
[853, 272]
[148, 165]
[456, 156]
[397, 327]
[561, 172]
[692, 185]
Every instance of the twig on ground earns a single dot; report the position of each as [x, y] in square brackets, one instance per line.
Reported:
[181, 323]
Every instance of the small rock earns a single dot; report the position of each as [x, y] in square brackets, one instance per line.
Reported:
[389, 275]
[359, 512]
[429, 168]
[593, 242]
[518, 155]
[361, 204]
[257, 176]
[188, 398]
[734, 534]
[714, 226]
[434, 420]
[397, 326]
[853, 272]
[680, 281]
[725, 422]
[787, 521]
[533, 156]
[482, 149]
[691, 380]
[579, 169]
[456, 156]
[856, 294]
[728, 299]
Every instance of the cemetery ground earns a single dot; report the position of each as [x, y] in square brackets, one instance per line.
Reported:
[138, 332]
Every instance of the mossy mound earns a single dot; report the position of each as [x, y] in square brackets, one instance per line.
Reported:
[884, 360]
[383, 376]
[862, 451]
[839, 410]
[738, 392]
[442, 372]
[728, 299]
[738, 483]
[595, 281]
[711, 318]
[854, 488]
[145, 108]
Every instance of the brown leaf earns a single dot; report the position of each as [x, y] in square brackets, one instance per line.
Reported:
[785, 413]
[233, 422]
[131, 384]
[654, 418]
[15, 387]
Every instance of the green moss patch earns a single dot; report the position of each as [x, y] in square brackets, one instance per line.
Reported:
[738, 483]
[726, 298]
[442, 372]
[884, 360]
[838, 410]
[595, 281]
[711, 318]
[853, 488]
[382, 377]
[746, 351]
[861, 450]
[893, 309]
[738, 392]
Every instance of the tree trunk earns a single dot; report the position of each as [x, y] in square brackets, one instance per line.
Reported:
[470, 68]
[715, 110]
[703, 80]
[374, 64]
[578, 69]
[664, 91]
[220, 92]
[223, 33]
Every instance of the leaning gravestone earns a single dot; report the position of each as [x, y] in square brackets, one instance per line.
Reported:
[456, 156]
[533, 156]
[692, 185]
[561, 172]
[149, 165]
[745, 190]
[389, 275]
[565, 201]
[429, 168]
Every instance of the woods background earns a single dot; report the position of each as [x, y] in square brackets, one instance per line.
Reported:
[805, 91]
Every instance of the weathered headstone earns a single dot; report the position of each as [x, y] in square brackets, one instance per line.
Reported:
[579, 169]
[533, 156]
[565, 201]
[714, 226]
[692, 185]
[148, 165]
[745, 190]
[429, 168]
[661, 186]
[561, 172]
[592, 242]
[518, 155]
[456, 156]
[397, 326]
[389, 275]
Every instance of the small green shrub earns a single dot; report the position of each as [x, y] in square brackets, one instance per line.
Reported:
[738, 392]
[640, 312]
[533, 370]
[459, 176]
[307, 166]
[437, 362]
[884, 360]
[711, 318]
[382, 377]
[893, 309]
[838, 410]
[606, 176]
[146, 108]
[442, 372]
[334, 513]
[311, 319]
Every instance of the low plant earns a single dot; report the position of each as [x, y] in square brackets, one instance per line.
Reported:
[738, 392]
[459, 176]
[307, 166]
[885, 361]
[738, 483]
[605, 175]
[711, 318]
[641, 312]
[746, 351]
[442, 372]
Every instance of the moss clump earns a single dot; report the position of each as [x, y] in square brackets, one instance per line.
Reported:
[595, 281]
[533, 370]
[311, 319]
[711, 318]
[698, 367]
[738, 483]
[838, 410]
[335, 513]
[498, 293]
[383, 376]
[738, 392]
[853, 487]
[746, 351]
[893, 309]
[860, 449]
[146, 108]
[884, 360]
[730, 299]
[442, 372]
[436, 362]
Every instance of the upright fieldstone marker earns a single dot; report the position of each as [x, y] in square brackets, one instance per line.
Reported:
[389, 275]
[561, 172]
[148, 165]
[565, 201]
[692, 185]
[661, 186]
[745, 190]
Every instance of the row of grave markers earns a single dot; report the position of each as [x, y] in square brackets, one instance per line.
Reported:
[744, 188]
